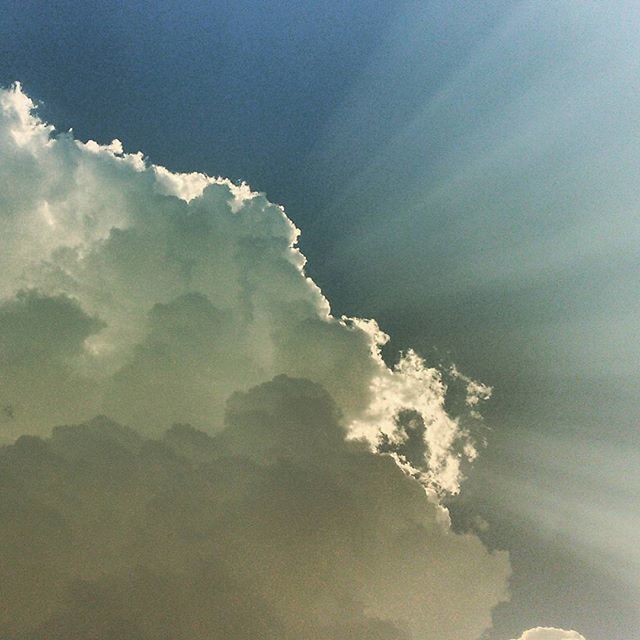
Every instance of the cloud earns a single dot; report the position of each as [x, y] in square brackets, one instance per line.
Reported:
[550, 633]
[276, 527]
[195, 289]
[265, 482]
[40, 336]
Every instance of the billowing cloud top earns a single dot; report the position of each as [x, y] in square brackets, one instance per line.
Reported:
[550, 633]
[246, 496]
[151, 296]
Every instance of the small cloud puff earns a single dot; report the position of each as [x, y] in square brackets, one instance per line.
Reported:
[550, 633]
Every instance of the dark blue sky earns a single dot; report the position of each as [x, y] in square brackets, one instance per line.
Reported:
[464, 172]
[241, 89]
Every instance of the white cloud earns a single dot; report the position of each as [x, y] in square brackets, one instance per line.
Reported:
[550, 633]
[158, 298]
[96, 224]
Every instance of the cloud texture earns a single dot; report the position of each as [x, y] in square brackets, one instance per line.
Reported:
[246, 496]
[157, 295]
[550, 633]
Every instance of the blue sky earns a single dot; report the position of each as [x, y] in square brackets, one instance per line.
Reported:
[467, 173]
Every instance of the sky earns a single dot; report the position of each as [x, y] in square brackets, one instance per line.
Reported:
[466, 174]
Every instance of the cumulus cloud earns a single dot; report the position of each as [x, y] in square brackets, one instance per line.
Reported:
[550, 633]
[276, 527]
[190, 288]
[265, 482]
